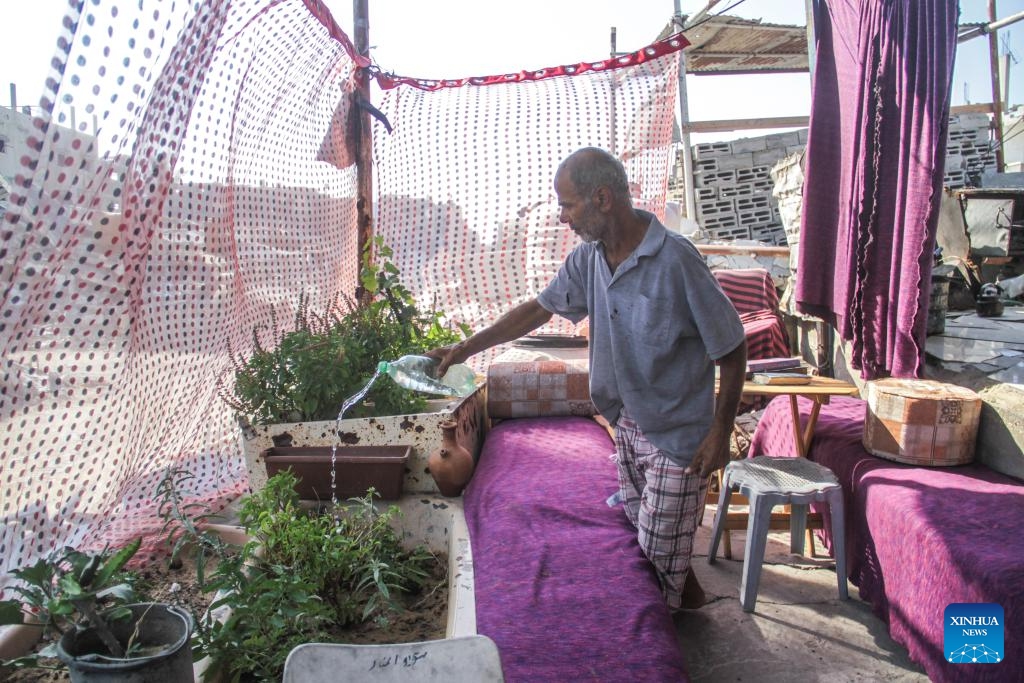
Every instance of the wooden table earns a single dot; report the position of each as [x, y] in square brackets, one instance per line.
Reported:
[820, 390]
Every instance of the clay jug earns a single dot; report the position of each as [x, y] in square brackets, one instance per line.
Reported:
[451, 464]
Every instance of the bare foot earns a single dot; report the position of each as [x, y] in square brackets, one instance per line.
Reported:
[693, 595]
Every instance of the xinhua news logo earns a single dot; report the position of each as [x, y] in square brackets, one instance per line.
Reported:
[973, 633]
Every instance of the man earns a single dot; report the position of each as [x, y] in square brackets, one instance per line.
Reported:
[658, 322]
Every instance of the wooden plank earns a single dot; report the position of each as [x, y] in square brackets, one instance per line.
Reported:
[725, 125]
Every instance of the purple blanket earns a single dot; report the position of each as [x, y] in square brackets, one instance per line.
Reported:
[919, 538]
[874, 167]
[562, 587]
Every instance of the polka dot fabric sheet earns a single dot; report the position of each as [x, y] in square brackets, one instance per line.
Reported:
[188, 170]
[464, 180]
[198, 180]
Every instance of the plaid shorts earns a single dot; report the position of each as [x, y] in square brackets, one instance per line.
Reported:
[662, 502]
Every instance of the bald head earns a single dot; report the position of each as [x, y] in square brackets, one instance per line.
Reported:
[592, 167]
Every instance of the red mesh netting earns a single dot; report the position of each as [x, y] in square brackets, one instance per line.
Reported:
[202, 177]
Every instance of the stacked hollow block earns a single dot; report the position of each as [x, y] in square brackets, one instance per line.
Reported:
[969, 150]
[733, 188]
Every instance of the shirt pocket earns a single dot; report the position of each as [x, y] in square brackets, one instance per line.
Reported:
[654, 321]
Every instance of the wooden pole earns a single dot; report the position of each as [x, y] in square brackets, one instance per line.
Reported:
[997, 100]
[363, 137]
[684, 116]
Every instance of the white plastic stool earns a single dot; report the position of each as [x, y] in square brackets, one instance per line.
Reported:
[768, 482]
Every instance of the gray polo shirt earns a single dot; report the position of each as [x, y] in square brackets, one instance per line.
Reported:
[656, 327]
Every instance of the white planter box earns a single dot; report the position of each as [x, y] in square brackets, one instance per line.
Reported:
[422, 431]
[436, 522]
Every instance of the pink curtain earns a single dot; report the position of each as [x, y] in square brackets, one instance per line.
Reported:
[875, 151]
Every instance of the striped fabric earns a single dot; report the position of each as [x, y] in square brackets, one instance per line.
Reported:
[752, 292]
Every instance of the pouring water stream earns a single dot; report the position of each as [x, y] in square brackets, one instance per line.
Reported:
[349, 402]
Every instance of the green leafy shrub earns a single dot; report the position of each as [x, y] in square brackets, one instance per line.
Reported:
[327, 357]
[300, 573]
[72, 590]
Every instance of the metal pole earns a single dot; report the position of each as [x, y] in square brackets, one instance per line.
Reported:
[612, 148]
[1005, 75]
[989, 28]
[997, 100]
[364, 135]
[684, 123]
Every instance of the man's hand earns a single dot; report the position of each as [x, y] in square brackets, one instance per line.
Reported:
[447, 356]
[712, 453]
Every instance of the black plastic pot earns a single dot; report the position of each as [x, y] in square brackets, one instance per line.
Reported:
[164, 632]
[988, 306]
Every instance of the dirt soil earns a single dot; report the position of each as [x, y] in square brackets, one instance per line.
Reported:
[424, 617]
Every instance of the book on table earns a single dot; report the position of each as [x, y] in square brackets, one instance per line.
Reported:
[770, 365]
[781, 378]
[776, 365]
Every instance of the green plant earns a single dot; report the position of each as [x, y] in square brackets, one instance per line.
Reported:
[309, 371]
[69, 590]
[300, 573]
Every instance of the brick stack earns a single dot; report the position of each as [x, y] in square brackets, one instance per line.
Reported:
[969, 150]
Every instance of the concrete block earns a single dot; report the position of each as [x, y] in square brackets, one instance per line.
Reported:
[958, 134]
[735, 161]
[706, 150]
[773, 233]
[709, 164]
[967, 147]
[755, 217]
[954, 161]
[802, 135]
[737, 190]
[769, 156]
[734, 233]
[1001, 430]
[746, 175]
[973, 120]
[705, 194]
[709, 178]
[782, 139]
[716, 207]
[758, 144]
[796, 149]
[954, 179]
[722, 222]
[757, 201]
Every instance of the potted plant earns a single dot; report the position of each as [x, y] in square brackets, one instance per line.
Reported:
[84, 605]
[307, 372]
[288, 391]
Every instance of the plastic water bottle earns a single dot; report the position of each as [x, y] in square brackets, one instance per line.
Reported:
[417, 374]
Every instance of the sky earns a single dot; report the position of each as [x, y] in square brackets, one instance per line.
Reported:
[456, 38]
